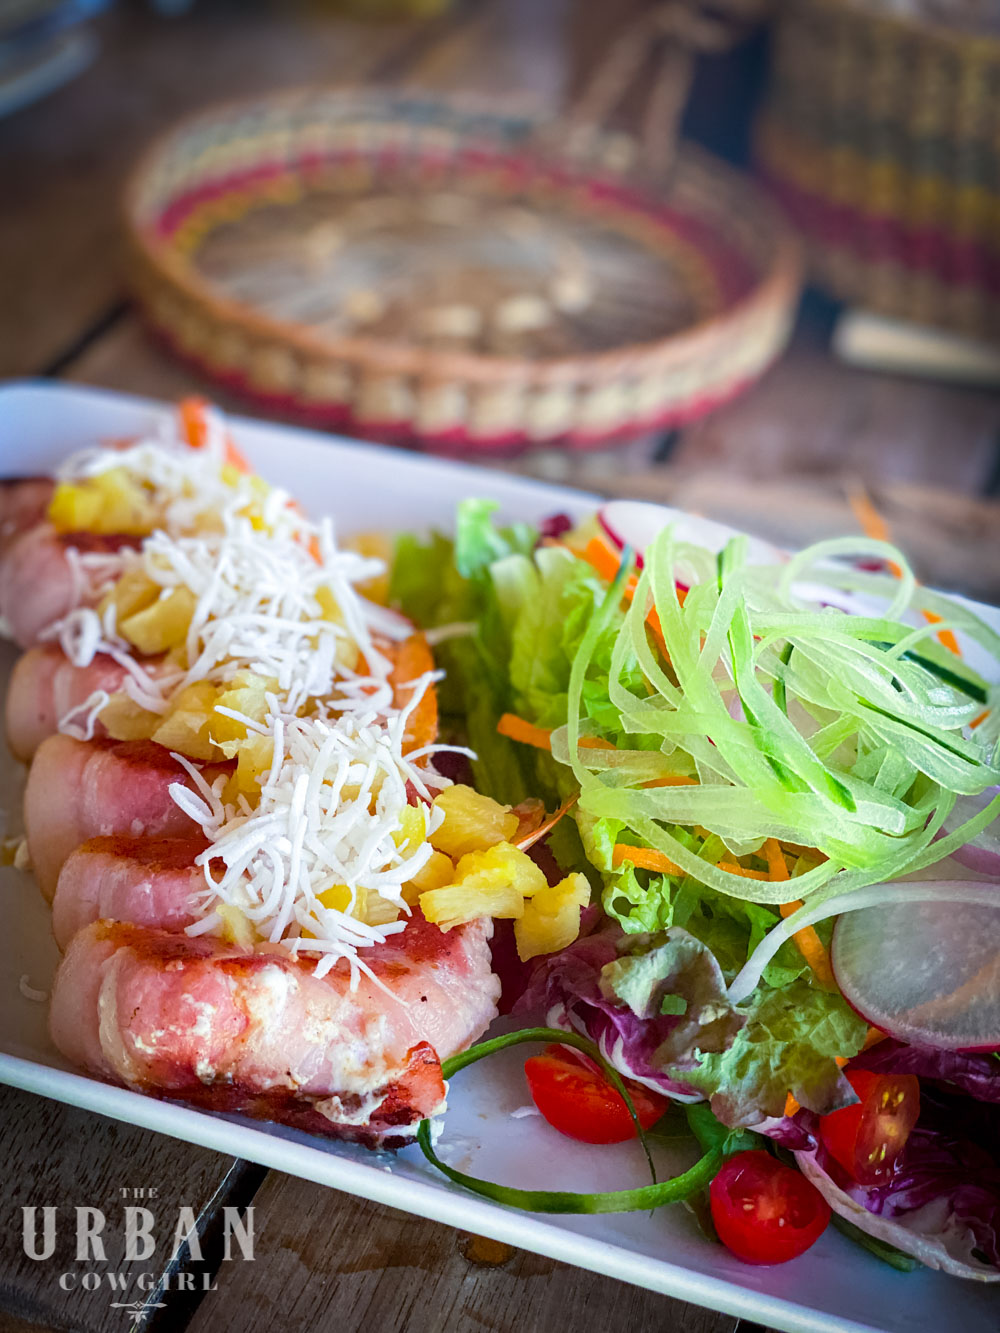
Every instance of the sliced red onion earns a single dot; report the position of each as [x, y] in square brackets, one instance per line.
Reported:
[983, 852]
[926, 972]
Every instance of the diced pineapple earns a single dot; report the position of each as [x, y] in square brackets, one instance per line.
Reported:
[133, 592]
[246, 693]
[110, 502]
[412, 831]
[124, 720]
[454, 905]
[472, 822]
[187, 726]
[338, 897]
[162, 625]
[237, 928]
[438, 871]
[379, 911]
[328, 605]
[377, 546]
[75, 508]
[551, 918]
[253, 759]
[494, 882]
[368, 905]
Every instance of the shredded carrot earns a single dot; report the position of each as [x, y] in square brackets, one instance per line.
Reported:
[945, 636]
[605, 560]
[791, 1106]
[874, 525]
[646, 858]
[192, 415]
[811, 947]
[735, 869]
[526, 732]
[875, 1035]
[195, 428]
[674, 780]
[410, 659]
[976, 721]
[547, 826]
[775, 859]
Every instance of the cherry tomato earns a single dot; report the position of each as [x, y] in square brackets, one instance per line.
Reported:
[575, 1098]
[766, 1213]
[867, 1138]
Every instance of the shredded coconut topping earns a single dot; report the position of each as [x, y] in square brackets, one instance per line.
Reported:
[316, 862]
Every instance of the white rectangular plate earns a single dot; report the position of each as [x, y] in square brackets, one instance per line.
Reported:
[834, 1287]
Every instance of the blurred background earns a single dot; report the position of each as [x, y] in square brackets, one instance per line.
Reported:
[486, 242]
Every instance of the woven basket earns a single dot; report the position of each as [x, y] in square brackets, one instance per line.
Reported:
[881, 136]
[733, 267]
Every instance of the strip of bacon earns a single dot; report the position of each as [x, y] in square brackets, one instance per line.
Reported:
[86, 789]
[227, 1029]
[145, 881]
[38, 584]
[23, 503]
[44, 686]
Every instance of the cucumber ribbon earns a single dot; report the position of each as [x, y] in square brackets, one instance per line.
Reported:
[717, 1142]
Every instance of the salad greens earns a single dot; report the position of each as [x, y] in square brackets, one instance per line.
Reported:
[702, 707]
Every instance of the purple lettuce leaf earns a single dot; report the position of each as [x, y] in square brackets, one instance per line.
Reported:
[976, 1075]
[943, 1201]
[671, 978]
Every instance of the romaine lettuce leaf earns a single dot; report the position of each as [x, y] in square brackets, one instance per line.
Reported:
[788, 1044]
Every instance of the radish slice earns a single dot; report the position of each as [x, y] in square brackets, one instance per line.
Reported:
[925, 972]
[636, 522]
[983, 852]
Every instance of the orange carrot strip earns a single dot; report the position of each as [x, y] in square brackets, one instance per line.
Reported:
[606, 562]
[646, 858]
[809, 944]
[945, 636]
[734, 869]
[674, 780]
[410, 659]
[193, 424]
[776, 864]
[811, 948]
[195, 428]
[527, 733]
[545, 828]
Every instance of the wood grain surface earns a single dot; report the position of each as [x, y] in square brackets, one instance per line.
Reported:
[335, 1264]
[57, 1156]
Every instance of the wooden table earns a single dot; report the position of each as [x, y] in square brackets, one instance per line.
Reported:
[780, 461]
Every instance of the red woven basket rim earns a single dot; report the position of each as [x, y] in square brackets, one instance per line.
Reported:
[775, 288]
